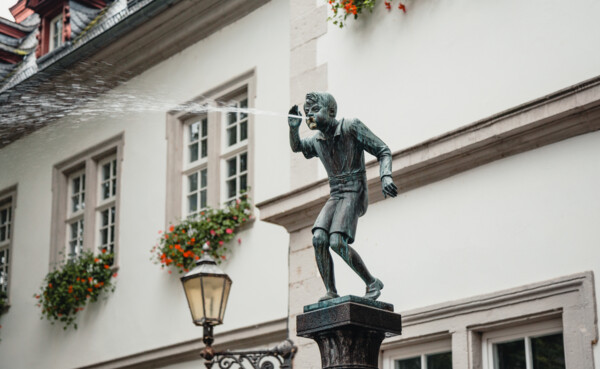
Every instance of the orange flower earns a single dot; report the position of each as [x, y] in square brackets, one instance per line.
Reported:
[193, 240]
[183, 231]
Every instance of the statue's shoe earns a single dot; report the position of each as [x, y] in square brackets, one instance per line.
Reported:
[374, 290]
[329, 296]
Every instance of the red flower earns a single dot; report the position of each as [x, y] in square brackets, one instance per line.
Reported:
[212, 232]
[106, 266]
[402, 7]
[169, 272]
[159, 232]
[193, 240]
[229, 231]
[166, 236]
[104, 251]
[70, 289]
[220, 243]
[114, 275]
[96, 260]
[89, 290]
[183, 231]
[49, 285]
[388, 5]
[239, 240]
[171, 228]
[223, 257]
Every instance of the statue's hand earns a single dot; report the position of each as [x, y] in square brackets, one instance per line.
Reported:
[388, 187]
[293, 121]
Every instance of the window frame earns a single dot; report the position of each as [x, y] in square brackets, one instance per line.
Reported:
[58, 19]
[9, 195]
[417, 349]
[177, 146]
[89, 162]
[511, 334]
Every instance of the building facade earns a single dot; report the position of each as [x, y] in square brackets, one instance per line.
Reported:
[490, 111]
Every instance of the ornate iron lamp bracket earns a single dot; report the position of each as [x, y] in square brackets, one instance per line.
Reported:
[260, 359]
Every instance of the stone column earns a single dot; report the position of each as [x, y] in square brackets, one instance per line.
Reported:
[349, 330]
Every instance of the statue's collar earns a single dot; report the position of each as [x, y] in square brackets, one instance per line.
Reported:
[338, 131]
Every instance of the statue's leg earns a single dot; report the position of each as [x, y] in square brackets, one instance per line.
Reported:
[339, 243]
[324, 262]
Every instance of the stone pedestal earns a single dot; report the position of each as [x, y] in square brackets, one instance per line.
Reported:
[349, 330]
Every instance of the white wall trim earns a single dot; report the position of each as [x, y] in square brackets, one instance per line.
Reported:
[570, 298]
[238, 339]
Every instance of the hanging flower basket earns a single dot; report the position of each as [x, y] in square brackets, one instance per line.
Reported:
[180, 246]
[66, 291]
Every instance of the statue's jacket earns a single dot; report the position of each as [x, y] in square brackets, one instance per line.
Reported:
[344, 160]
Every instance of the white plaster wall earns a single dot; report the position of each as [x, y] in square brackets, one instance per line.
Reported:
[445, 64]
[148, 309]
[523, 219]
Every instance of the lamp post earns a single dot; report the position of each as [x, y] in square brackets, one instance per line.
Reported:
[207, 290]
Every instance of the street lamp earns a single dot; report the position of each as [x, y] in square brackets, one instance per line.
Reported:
[207, 290]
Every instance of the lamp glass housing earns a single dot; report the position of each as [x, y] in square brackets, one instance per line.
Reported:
[207, 291]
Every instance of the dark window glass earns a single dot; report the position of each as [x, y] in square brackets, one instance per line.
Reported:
[231, 184]
[243, 105]
[243, 131]
[204, 127]
[243, 183]
[193, 152]
[412, 363]
[439, 361]
[511, 355]
[193, 182]
[192, 203]
[231, 136]
[203, 179]
[231, 167]
[204, 148]
[548, 352]
[243, 162]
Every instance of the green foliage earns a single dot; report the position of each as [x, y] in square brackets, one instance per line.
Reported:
[180, 246]
[66, 291]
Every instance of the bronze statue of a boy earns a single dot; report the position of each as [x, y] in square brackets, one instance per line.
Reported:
[340, 144]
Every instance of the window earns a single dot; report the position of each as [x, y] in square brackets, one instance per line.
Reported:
[535, 346]
[107, 177]
[428, 355]
[56, 30]
[85, 202]
[210, 153]
[7, 206]
[76, 207]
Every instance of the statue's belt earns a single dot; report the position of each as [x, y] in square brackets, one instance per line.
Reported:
[347, 178]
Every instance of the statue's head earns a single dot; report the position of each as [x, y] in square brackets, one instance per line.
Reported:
[320, 109]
